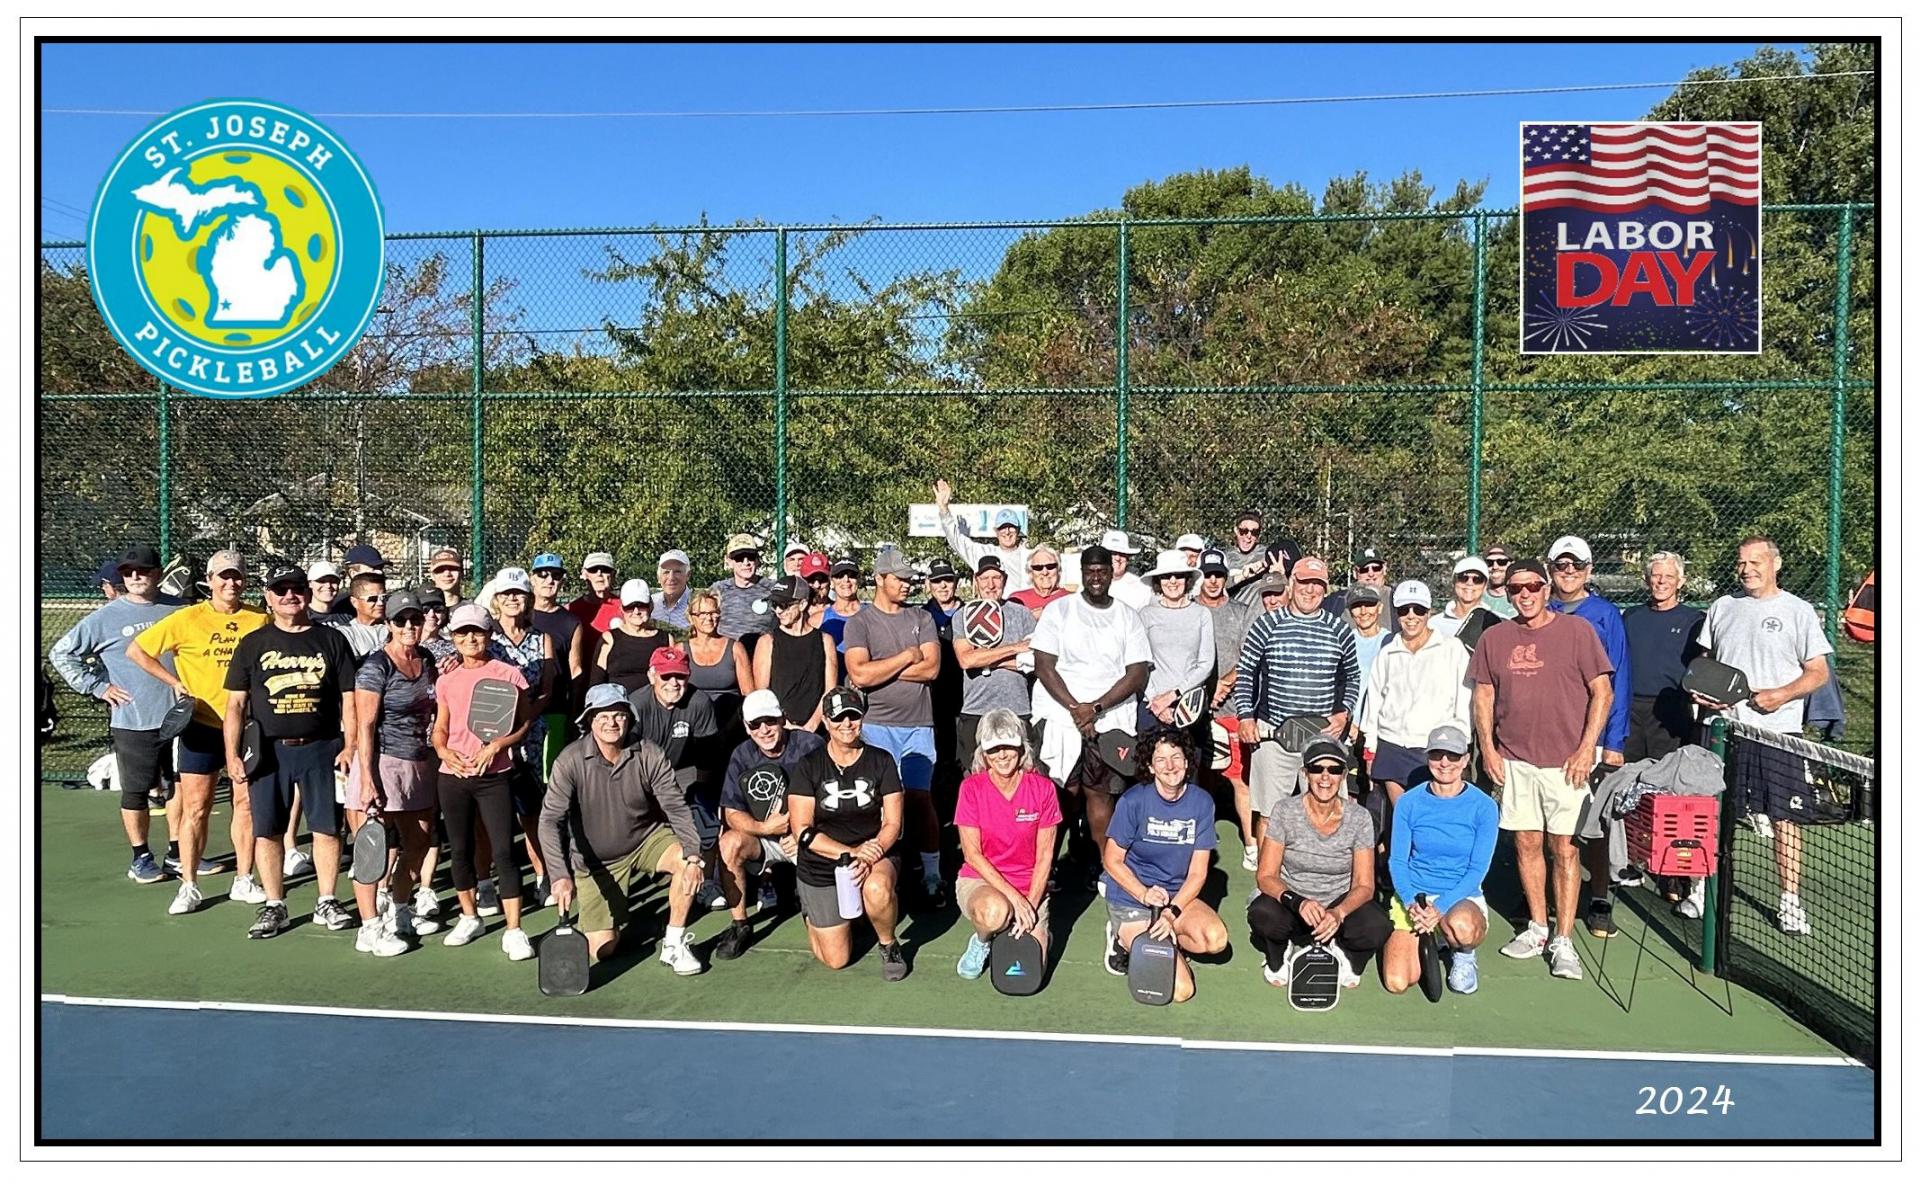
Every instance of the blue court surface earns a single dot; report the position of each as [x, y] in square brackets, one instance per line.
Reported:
[441, 1076]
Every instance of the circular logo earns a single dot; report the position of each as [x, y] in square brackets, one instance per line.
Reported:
[237, 249]
[765, 786]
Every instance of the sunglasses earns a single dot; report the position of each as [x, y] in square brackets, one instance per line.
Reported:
[1246, 530]
[1568, 565]
[468, 631]
[545, 573]
[1469, 578]
[599, 571]
[408, 621]
[1443, 755]
[1043, 567]
[1416, 610]
[844, 717]
[766, 722]
[673, 675]
[1527, 589]
[1371, 568]
[290, 590]
[1325, 768]
[1498, 561]
[376, 599]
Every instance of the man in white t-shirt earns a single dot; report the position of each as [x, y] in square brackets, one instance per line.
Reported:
[1090, 663]
[1775, 639]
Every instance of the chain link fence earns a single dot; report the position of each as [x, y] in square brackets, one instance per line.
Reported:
[1356, 377]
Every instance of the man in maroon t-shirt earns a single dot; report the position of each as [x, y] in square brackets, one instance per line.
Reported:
[1541, 692]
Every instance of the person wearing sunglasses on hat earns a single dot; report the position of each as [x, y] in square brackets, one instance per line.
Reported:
[1043, 569]
[1499, 563]
[1009, 545]
[1443, 839]
[1543, 687]
[1467, 614]
[1316, 874]
[296, 680]
[1418, 682]
[1008, 817]
[625, 649]
[844, 806]
[750, 847]
[616, 813]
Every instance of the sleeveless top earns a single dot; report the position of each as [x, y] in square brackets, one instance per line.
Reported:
[835, 625]
[720, 683]
[627, 661]
[798, 674]
[529, 656]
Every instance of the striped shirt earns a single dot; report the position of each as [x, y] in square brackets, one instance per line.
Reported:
[1301, 666]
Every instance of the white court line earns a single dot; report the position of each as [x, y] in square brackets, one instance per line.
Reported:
[724, 1026]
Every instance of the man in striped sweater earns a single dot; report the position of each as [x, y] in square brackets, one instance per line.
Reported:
[1298, 660]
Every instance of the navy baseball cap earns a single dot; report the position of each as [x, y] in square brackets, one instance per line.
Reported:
[942, 570]
[109, 573]
[361, 553]
[1213, 562]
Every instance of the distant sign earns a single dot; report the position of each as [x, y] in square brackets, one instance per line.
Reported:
[923, 518]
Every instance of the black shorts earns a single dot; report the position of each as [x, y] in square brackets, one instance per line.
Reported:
[524, 784]
[145, 763]
[1397, 763]
[201, 749]
[308, 767]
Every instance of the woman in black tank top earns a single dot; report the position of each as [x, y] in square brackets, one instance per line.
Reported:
[625, 649]
[796, 661]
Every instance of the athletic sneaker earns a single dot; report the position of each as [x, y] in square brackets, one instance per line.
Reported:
[1349, 978]
[465, 930]
[186, 900]
[1630, 878]
[1762, 826]
[514, 942]
[1279, 978]
[1793, 918]
[934, 893]
[769, 896]
[297, 863]
[375, 939]
[1464, 974]
[144, 870]
[204, 867]
[1251, 861]
[247, 891]
[489, 899]
[710, 896]
[893, 962]
[679, 956]
[973, 960]
[330, 914]
[542, 891]
[1528, 943]
[1117, 956]
[425, 904]
[1564, 960]
[1694, 903]
[1600, 919]
[733, 943]
[269, 921]
[422, 925]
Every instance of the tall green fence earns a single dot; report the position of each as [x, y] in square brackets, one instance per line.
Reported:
[1355, 376]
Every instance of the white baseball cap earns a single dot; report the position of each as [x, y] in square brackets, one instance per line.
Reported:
[1117, 542]
[674, 556]
[322, 571]
[636, 592]
[794, 547]
[1190, 542]
[761, 705]
[596, 559]
[512, 580]
[1471, 563]
[1572, 545]
[1412, 592]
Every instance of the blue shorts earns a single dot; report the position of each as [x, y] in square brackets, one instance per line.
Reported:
[1392, 763]
[308, 767]
[911, 748]
[201, 749]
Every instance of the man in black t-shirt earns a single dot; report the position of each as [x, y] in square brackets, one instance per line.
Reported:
[668, 712]
[296, 681]
[845, 803]
[751, 843]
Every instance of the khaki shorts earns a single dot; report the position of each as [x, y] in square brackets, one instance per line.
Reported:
[1537, 799]
[603, 891]
[968, 887]
[1272, 774]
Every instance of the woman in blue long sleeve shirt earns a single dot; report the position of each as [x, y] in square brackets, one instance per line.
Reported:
[1443, 837]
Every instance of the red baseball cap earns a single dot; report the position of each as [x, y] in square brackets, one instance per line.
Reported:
[814, 563]
[669, 660]
[1310, 567]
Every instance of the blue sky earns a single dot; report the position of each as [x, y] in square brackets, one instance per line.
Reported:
[454, 174]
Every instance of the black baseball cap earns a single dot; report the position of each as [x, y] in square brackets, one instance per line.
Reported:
[1368, 555]
[844, 566]
[284, 573]
[140, 555]
[844, 701]
[361, 553]
[988, 563]
[790, 590]
[1527, 565]
[429, 595]
[942, 570]
[1213, 561]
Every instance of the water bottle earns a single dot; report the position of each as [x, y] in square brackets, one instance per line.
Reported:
[847, 889]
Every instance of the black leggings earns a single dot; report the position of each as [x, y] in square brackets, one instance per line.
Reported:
[490, 798]
[1273, 924]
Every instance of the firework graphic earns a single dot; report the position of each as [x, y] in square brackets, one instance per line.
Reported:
[1552, 329]
[1723, 318]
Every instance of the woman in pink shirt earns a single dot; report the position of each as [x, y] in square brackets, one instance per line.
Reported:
[1008, 816]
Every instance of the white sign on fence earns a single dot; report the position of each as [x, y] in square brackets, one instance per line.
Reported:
[923, 518]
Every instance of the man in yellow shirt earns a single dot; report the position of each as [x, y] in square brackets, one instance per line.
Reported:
[201, 639]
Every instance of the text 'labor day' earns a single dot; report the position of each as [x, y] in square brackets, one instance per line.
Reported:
[1665, 261]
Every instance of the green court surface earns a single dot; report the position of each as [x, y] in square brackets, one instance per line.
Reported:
[103, 936]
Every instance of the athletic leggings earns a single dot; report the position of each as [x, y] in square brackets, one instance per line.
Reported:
[1273, 924]
[489, 797]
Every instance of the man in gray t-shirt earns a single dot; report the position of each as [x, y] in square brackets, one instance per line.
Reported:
[996, 676]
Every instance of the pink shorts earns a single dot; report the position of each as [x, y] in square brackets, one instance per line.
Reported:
[410, 785]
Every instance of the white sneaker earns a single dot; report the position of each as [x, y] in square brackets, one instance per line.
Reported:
[425, 904]
[375, 939]
[1251, 861]
[1694, 903]
[489, 899]
[382, 901]
[186, 900]
[1564, 960]
[515, 943]
[1349, 978]
[465, 930]
[680, 957]
[296, 863]
[1528, 943]
[1793, 918]
[247, 891]
[1279, 978]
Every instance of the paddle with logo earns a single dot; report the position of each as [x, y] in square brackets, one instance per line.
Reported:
[1313, 983]
[564, 960]
[1432, 978]
[370, 849]
[1116, 751]
[1189, 707]
[490, 712]
[1151, 963]
[982, 623]
[1017, 963]
[766, 789]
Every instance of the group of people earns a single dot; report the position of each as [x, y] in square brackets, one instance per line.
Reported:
[712, 736]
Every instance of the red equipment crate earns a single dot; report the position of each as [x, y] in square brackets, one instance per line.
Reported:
[1675, 834]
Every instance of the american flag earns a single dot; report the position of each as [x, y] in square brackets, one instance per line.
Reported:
[1613, 168]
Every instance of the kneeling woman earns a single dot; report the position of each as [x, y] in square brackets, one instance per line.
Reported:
[1008, 815]
[1443, 837]
[1316, 874]
[1156, 858]
[843, 801]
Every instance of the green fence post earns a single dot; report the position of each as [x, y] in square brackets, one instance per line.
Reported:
[780, 390]
[1842, 309]
[479, 533]
[1710, 919]
[166, 478]
[1479, 394]
[1120, 381]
